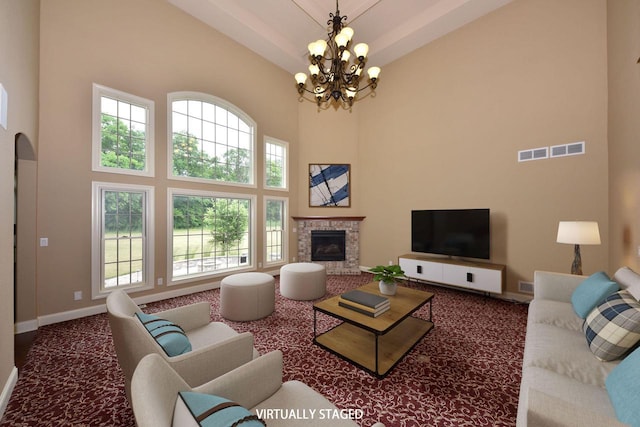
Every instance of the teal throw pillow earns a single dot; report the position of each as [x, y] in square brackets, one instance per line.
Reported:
[215, 411]
[170, 336]
[623, 386]
[591, 292]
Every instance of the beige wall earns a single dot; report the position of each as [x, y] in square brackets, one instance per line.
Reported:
[447, 123]
[19, 76]
[147, 48]
[624, 128]
[442, 132]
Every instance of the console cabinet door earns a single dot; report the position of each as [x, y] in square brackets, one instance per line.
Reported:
[423, 270]
[481, 279]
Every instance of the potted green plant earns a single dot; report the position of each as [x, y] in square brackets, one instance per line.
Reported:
[388, 277]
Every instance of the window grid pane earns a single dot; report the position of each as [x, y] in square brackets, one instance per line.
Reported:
[123, 134]
[211, 142]
[275, 161]
[275, 230]
[123, 238]
[210, 235]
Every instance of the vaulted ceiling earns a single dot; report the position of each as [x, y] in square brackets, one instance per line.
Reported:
[279, 30]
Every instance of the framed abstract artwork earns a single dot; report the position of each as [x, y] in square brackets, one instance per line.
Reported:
[329, 185]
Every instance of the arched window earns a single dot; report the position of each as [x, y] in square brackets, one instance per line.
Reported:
[210, 140]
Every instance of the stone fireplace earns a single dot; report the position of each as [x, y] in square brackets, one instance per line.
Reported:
[328, 232]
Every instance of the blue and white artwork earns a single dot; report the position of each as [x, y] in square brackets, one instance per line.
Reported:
[329, 185]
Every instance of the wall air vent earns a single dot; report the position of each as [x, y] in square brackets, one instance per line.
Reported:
[533, 154]
[525, 287]
[571, 149]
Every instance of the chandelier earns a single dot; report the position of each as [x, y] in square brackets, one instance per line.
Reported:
[335, 76]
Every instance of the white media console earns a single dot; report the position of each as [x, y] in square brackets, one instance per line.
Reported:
[477, 276]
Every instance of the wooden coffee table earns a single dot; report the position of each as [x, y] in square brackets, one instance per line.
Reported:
[375, 344]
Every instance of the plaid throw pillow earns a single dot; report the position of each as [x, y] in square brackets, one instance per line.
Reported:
[613, 327]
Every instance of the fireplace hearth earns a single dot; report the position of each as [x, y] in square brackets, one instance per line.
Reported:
[328, 245]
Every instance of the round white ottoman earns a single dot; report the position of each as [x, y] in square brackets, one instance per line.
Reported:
[303, 281]
[247, 296]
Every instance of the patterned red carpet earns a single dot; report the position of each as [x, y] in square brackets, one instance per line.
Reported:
[465, 372]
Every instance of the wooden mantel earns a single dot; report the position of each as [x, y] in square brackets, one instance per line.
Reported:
[328, 218]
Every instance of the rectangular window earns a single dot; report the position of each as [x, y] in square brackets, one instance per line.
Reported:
[122, 132]
[211, 233]
[275, 164]
[122, 255]
[275, 230]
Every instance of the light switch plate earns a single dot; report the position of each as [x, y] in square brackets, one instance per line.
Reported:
[3, 106]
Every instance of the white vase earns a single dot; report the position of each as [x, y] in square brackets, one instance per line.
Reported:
[387, 288]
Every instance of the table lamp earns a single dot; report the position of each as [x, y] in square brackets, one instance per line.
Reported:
[578, 233]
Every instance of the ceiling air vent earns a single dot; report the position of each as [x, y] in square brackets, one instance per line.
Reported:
[533, 154]
[571, 149]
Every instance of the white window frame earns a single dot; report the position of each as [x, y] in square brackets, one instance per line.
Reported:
[97, 255]
[285, 167]
[214, 273]
[285, 228]
[98, 92]
[204, 97]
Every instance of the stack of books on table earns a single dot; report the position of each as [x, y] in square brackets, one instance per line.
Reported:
[363, 302]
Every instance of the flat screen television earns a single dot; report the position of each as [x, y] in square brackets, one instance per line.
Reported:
[464, 233]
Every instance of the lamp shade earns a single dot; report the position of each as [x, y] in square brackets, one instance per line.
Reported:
[578, 232]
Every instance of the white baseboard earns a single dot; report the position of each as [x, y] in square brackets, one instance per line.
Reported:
[515, 297]
[49, 319]
[7, 390]
[26, 326]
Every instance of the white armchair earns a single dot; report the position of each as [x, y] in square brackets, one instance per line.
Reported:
[216, 347]
[256, 386]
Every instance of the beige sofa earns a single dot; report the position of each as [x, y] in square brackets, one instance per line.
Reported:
[563, 383]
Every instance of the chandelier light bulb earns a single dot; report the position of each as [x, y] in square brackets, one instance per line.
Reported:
[351, 92]
[345, 55]
[348, 32]
[312, 47]
[317, 48]
[373, 72]
[301, 78]
[341, 40]
[314, 70]
[361, 50]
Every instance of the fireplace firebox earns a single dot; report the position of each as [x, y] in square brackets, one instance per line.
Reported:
[328, 245]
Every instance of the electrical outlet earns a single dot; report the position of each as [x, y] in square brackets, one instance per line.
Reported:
[44, 241]
[259, 265]
[160, 281]
[390, 262]
[77, 295]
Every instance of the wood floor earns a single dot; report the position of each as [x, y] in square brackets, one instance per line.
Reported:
[22, 344]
